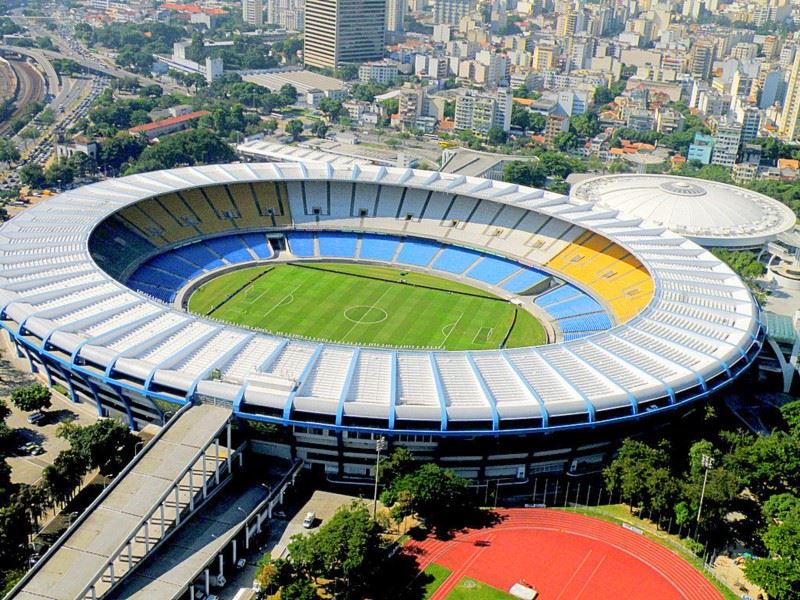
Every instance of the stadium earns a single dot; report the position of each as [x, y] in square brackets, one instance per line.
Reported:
[498, 329]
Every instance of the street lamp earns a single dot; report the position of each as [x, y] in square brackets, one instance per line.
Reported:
[380, 445]
[708, 463]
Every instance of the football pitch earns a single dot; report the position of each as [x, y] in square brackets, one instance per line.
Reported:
[366, 304]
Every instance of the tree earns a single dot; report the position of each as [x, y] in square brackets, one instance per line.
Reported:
[32, 175]
[438, 496]
[4, 411]
[348, 550]
[565, 141]
[319, 129]
[779, 578]
[64, 475]
[398, 464]
[107, 444]
[331, 108]
[637, 472]
[496, 136]
[525, 173]
[31, 397]
[122, 149]
[559, 186]
[537, 122]
[585, 125]
[791, 415]
[191, 147]
[294, 128]
[8, 151]
[270, 126]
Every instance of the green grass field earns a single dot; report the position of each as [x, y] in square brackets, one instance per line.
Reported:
[435, 576]
[469, 589]
[365, 304]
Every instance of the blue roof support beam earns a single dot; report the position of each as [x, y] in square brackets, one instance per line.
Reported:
[393, 391]
[437, 380]
[608, 378]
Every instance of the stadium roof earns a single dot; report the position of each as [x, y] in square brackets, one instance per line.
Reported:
[700, 329]
[707, 212]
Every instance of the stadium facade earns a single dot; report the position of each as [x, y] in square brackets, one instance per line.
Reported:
[644, 323]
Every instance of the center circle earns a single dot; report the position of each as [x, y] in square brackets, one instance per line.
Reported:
[365, 315]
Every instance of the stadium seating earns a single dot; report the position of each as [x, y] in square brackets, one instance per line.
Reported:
[199, 255]
[231, 248]
[257, 244]
[301, 243]
[455, 260]
[417, 252]
[590, 322]
[173, 264]
[524, 280]
[337, 244]
[378, 247]
[492, 270]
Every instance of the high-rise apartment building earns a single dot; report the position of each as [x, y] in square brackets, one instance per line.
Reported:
[701, 59]
[788, 129]
[341, 32]
[253, 12]
[451, 11]
[286, 13]
[727, 139]
[395, 15]
[479, 112]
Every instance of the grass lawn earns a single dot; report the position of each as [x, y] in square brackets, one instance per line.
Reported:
[438, 574]
[365, 304]
[469, 589]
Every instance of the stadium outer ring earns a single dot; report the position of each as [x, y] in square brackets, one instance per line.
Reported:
[660, 251]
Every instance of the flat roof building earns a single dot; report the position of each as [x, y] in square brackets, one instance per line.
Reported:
[343, 32]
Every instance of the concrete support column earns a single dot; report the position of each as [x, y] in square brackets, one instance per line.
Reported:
[221, 564]
[130, 554]
[208, 582]
[228, 443]
[205, 477]
[113, 578]
[146, 537]
[177, 504]
[191, 491]
[163, 525]
[234, 552]
[216, 460]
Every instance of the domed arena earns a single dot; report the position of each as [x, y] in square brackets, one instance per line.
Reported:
[499, 329]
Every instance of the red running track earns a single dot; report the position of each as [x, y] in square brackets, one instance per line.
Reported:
[565, 556]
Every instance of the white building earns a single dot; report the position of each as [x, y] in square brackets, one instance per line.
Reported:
[479, 112]
[253, 12]
[383, 72]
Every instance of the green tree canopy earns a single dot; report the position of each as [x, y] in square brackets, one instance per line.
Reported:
[31, 397]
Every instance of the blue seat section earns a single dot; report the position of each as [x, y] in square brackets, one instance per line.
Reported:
[417, 252]
[257, 242]
[199, 255]
[378, 247]
[173, 264]
[559, 294]
[522, 281]
[335, 243]
[591, 322]
[230, 248]
[573, 307]
[455, 260]
[147, 274]
[152, 290]
[492, 270]
[114, 245]
[301, 243]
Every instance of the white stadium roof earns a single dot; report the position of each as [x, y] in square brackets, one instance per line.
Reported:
[698, 331]
[707, 212]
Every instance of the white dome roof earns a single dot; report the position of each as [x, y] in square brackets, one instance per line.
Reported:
[710, 213]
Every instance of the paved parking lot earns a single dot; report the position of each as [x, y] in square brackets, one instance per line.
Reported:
[28, 469]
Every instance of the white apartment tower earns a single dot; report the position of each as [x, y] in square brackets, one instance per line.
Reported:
[253, 12]
[341, 32]
[395, 15]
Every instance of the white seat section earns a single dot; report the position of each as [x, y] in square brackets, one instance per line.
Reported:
[292, 360]
[460, 211]
[643, 360]
[250, 359]
[671, 352]
[54, 300]
[37, 286]
[436, 207]
[94, 308]
[206, 355]
[463, 394]
[146, 331]
[57, 272]
[558, 397]
[372, 379]
[328, 374]
[177, 342]
[587, 381]
[120, 319]
[364, 197]
[617, 370]
[295, 196]
[476, 231]
[513, 240]
[316, 198]
[513, 398]
[413, 203]
[416, 387]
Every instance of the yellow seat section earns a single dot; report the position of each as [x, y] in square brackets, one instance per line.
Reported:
[609, 271]
[274, 197]
[210, 220]
[242, 196]
[176, 206]
[218, 196]
[139, 222]
[173, 230]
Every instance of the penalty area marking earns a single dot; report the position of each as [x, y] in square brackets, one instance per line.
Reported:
[450, 328]
[480, 338]
[362, 320]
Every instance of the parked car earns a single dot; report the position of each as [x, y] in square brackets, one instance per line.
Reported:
[309, 521]
[35, 418]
